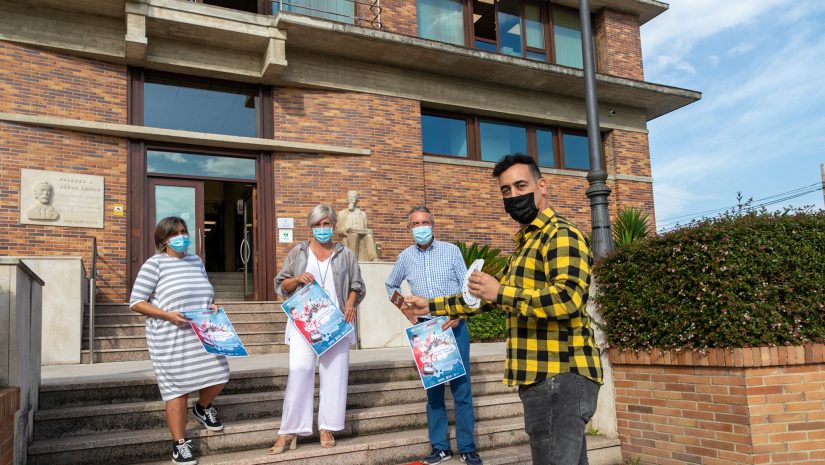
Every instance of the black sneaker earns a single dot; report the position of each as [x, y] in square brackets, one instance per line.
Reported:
[208, 417]
[471, 458]
[437, 456]
[182, 453]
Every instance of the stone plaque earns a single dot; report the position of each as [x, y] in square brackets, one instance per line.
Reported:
[61, 199]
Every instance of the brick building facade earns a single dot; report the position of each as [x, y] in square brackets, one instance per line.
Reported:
[339, 107]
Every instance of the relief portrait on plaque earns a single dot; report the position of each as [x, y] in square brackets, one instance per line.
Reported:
[60, 198]
[43, 209]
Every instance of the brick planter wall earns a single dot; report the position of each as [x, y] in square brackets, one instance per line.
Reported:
[761, 405]
[9, 403]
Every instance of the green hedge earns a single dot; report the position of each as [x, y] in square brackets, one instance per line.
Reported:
[735, 281]
[488, 326]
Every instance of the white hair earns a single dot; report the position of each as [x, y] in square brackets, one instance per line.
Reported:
[319, 212]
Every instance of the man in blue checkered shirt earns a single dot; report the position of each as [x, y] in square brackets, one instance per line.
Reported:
[432, 269]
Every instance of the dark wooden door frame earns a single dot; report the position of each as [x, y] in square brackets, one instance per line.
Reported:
[137, 179]
[195, 227]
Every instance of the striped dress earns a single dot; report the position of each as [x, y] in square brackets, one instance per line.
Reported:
[181, 364]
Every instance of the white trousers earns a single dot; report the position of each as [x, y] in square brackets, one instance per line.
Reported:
[300, 388]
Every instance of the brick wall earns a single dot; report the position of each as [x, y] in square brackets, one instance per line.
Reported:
[400, 17]
[40, 82]
[628, 153]
[56, 150]
[388, 181]
[9, 404]
[762, 405]
[45, 83]
[618, 44]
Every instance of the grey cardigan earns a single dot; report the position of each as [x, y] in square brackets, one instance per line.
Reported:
[345, 272]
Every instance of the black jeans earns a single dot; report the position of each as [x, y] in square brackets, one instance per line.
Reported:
[555, 413]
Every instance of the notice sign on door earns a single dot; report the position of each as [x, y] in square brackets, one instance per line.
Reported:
[285, 236]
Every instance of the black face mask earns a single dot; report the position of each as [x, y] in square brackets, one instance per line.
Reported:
[522, 208]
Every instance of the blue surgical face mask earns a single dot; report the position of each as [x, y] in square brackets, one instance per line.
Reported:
[179, 243]
[422, 234]
[322, 235]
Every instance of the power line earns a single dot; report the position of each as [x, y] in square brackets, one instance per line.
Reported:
[718, 210]
[670, 225]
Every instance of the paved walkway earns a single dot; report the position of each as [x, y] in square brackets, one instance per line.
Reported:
[142, 369]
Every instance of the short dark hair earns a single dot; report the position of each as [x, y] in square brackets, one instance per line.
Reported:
[165, 228]
[516, 159]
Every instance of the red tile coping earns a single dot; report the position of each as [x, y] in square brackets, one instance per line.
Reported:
[747, 357]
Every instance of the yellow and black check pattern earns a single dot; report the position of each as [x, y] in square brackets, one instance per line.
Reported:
[544, 288]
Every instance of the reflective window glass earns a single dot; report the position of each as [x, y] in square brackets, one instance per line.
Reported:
[567, 34]
[576, 152]
[197, 165]
[444, 136]
[532, 25]
[342, 11]
[500, 139]
[509, 22]
[173, 103]
[441, 20]
[544, 145]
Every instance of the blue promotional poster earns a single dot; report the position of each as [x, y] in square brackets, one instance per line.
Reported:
[316, 317]
[216, 333]
[435, 352]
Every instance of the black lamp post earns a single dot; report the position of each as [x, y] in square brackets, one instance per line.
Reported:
[598, 191]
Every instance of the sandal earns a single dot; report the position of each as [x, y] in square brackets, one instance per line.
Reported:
[327, 439]
[284, 441]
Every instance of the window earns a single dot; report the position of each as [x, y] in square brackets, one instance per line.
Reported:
[444, 136]
[499, 139]
[342, 11]
[485, 139]
[199, 165]
[441, 20]
[202, 106]
[484, 25]
[530, 29]
[545, 148]
[567, 34]
[576, 151]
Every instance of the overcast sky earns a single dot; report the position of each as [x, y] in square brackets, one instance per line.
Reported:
[760, 125]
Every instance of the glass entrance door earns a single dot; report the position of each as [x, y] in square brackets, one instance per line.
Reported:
[181, 198]
[248, 251]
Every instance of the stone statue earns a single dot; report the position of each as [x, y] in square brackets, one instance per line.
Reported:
[353, 231]
[43, 209]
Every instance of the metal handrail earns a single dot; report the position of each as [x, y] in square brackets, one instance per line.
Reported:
[374, 9]
[92, 291]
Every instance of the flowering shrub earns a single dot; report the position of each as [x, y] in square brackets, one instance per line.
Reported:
[736, 281]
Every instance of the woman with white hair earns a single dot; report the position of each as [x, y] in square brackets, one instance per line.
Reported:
[336, 269]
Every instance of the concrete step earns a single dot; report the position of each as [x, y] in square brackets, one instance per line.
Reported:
[253, 437]
[124, 355]
[143, 388]
[236, 316]
[370, 411]
[138, 329]
[139, 342]
[228, 305]
[222, 295]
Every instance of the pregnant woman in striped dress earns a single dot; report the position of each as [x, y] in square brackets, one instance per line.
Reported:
[171, 282]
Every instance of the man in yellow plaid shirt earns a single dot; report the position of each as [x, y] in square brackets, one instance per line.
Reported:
[551, 352]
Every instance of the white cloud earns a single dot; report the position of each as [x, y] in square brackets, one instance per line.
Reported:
[740, 49]
[687, 22]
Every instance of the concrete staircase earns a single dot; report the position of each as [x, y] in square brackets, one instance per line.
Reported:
[228, 286]
[120, 334]
[121, 420]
